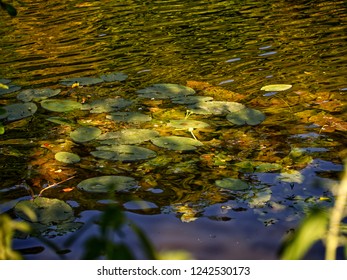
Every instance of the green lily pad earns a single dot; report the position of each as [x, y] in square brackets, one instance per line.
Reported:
[107, 105]
[85, 134]
[133, 117]
[44, 210]
[292, 176]
[216, 107]
[18, 111]
[3, 113]
[113, 77]
[105, 184]
[82, 81]
[9, 89]
[232, 184]
[59, 105]
[187, 124]
[60, 120]
[128, 136]
[67, 157]
[190, 99]
[5, 81]
[165, 91]
[176, 143]
[125, 153]
[260, 198]
[246, 116]
[268, 167]
[37, 94]
[276, 87]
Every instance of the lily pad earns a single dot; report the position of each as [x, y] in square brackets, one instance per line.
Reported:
[37, 94]
[113, 77]
[85, 134]
[187, 124]
[44, 210]
[276, 87]
[67, 157]
[60, 120]
[216, 107]
[165, 91]
[246, 116]
[232, 184]
[291, 176]
[176, 143]
[128, 136]
[82, 81]
[9, 89]
[125, 153]
[260, 198]
[105, 184]
[59, 105]
[268, 167]
[132, 117]
[190, 99]
[18, 111]
[3, 113]
[107, 105]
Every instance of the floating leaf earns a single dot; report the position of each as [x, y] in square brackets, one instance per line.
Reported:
[292, 176]
[3, 113]
[165, 91]
[59, 105]
[2, 129]
[60, 120]
[105, 184]
[123, 153]
[187, 124]
[82, 81]
[232, 184]
[176, 143]
[9, 89]
[113, 77]
[18, 111]
[216, 107]
[276, 87]
[133, 117]
[67, 157]
[85, 134]
[47, 210]
[128, 136]
[190, 99]
[268, 167]
[107, 105]
[37, 94]
[246, 116]
[260, 198]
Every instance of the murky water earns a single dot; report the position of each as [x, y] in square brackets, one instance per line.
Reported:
[224, 49]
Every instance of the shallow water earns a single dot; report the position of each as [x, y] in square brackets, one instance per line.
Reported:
[224, 49]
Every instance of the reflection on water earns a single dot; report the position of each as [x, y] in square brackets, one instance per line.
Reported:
[240, 46]
[300, 42]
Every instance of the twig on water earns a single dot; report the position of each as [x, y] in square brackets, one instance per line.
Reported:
[54, 185]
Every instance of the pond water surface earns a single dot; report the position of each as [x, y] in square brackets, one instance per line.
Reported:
[226, 50]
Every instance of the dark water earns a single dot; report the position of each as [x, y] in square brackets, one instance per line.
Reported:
[238, 45]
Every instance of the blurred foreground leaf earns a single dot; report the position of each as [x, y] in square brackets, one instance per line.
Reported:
[312, 229]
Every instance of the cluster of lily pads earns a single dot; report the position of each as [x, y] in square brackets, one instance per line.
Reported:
[123, 145]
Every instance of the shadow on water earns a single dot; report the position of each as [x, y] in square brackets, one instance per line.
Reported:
[226, 50]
